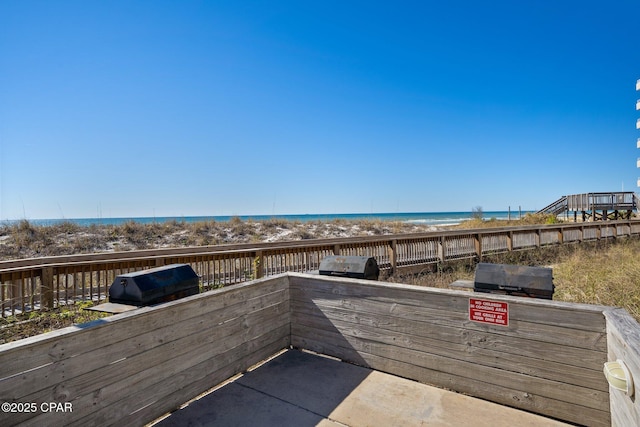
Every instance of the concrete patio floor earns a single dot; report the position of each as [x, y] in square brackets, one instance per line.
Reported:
[301, 389]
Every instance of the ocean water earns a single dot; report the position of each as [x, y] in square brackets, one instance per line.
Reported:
[429, 218]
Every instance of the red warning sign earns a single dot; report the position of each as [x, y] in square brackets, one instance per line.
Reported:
[484, 311]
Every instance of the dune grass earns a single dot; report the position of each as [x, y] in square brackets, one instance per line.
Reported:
[26, 240]
[34, 323]
[478, 221]
[605, 272]
[608, 276]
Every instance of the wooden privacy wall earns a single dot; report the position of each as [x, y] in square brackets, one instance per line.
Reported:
[131, 368]
[548, 360]
[623, 339]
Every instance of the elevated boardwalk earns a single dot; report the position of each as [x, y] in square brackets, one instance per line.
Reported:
[596, 206]
[32, 284]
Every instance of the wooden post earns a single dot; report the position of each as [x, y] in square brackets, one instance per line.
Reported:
[441, 249]
[478, 244]
[46, 287]
[510, 241]
[393, 255]
[560, 236]
[258, 265]
[336, 249]
[16, 294]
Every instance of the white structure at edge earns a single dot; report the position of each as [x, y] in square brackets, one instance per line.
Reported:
[638, 125]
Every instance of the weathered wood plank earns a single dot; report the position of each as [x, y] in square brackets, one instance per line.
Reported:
[624, 343]
[162, 360]
[34, 352]
[173, 401]
[575, 316]
[470, 368]
[159, 398]
[50, 374]
[443, 317]
[129, 380]
[98, 387]
[451, 331]
[430, 330]
[163, 351]
[511, 354]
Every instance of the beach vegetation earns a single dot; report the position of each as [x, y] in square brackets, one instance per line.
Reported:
[477, 214]
[605, 272]
[29, 324]
[528, 219]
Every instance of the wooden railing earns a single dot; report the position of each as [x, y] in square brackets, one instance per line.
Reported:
[31, 284]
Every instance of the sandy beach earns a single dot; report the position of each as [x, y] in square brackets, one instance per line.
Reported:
[26, 240]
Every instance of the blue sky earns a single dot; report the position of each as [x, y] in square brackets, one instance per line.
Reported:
[181, 108]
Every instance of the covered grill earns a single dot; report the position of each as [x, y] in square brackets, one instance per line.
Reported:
[355, 267]
[155, 285]
[536, 282]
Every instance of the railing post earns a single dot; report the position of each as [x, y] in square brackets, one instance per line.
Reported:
[46, 287]
[560, 235]
[336, 249]
[258, 265]
[478, 244]
[510, 241]
[393, 254]
[442, 249]
[538, 244]
[16, 294]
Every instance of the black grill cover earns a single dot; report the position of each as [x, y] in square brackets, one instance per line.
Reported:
[356, 267]
[155, 285]
[516, 280]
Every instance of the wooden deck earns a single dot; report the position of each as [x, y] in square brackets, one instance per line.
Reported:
[132, 368]
[302, 389]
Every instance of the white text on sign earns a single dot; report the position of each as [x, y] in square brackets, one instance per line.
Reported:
[485, 311]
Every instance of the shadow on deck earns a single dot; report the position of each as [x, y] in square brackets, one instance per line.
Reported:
[297, 388]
